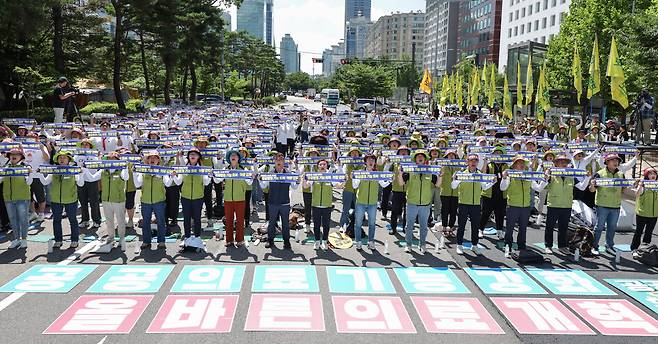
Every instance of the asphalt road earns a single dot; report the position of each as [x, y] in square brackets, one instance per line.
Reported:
[24, 317]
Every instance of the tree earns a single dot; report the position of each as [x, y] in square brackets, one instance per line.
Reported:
[298, 81]
[234, 85]
[118, 6]
[364, 81]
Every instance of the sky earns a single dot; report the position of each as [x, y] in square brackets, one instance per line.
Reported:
[315, 25]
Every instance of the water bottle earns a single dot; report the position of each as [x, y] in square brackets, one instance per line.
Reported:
[576, 255]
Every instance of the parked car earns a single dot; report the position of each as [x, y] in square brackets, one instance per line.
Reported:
[317, 98]
[367, 105]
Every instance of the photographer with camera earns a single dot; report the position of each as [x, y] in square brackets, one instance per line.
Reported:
[64, 102]
[645, 116]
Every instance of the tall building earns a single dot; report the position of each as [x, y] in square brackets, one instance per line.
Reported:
[255, 17]
[332, 57]
[393, 36]
[289, 54]
[479, 30]
[529, 21]
[441, 30]
[228, 21]
[357, 18]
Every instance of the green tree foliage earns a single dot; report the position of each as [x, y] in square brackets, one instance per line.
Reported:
[361, 80]
[298, 81]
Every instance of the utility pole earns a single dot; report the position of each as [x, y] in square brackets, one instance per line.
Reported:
[413, 65]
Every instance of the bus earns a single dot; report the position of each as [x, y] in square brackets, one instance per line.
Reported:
[330, 97]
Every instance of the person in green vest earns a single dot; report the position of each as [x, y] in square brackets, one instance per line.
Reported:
[494, 200]
[306, 192]
[419, 198]
[366, 202]
[608, 204]
[322, 201]
[234, 200]
[518, 204]
[192, 190]
[246, 155]
[349, 194]
[201, 143]
[562, 134]
[16, 195]
[398, 198]
[266, 168]
[131, 190]
[646, 211]
[469, 196]
[392, 144]
[559, 199]
[113, 196]
[153, 200]
[573, 129]
[64, 196]
[449, 201]
[435, 210]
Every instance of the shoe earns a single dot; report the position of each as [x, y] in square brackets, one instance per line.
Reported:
[501, 235]
[162, 245]
[421, 249]
[316, 245]
[57, 244]
[392, 232]
[323, 245]
[287, 246]
[460, 249]
[268, 244]
[230, 243]
[40, 218]
[480, 234]
[15, 244]
[23, 243]
[508, 252]
[371, 245]
[548, 250]
[96, 225]
[33, 217]
[636, 255]
[145, 246]
[182, 242]
[84, 224]
[595, 252]
[407, 248]
[358, 246]
[476, 250]
[130, 224]
[611, 251]
[74, 244]
[564, 250]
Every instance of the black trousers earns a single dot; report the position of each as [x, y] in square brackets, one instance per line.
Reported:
[266, 198]
[247, 208]
[308, 200]
[496, 206]
[291, 147]
[467, 212]
[172, 199]
[4, 217]
[449, 211]
[321, 216]
[562, 216]
[207, 200]
[643, 225]
[89, 196]
[219, 200]
[386, 199]
[398, 209]
[282, 147]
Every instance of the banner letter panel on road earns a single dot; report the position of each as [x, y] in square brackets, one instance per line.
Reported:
[278, 312]
[570, 282]
[195, 314]
[132, 279]
[351, 280]
[285, 279]
[209, 279]
[48, 279]
[642, 290]
[504, 281]
[371, 314]
[614, 317]
[430, 281]
[540, 316]
[455, 315]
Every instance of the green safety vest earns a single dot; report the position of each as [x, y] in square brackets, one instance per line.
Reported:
[560, 192]
[153, 189]
[130, 184]
[113, 187]
[15, 188]
[322, 195]
[367, 193]
[419, 189]
[348, 179]
[446, 181]
[647, 204]
[608, 197]
[488, 193]
[308, 168]
[518, 193]
[192, 187]
[235, 189]
[63, 189]
[469, 193]
[397, 187]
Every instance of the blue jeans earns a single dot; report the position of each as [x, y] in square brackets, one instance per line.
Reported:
[71, 210]
[604, 216]
[18, 217]
[191, 211]
[279, 211]
[360, 212]
[348, 201]
[159, 210]
[423, 213]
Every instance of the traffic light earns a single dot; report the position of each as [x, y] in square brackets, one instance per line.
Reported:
[344, 61]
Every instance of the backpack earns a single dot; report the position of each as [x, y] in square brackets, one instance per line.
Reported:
[648, 254]
[528, 257]
[582, 238]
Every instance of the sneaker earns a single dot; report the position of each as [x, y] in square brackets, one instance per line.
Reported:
[96, 225]
[57, 244]
[392, 232]
[40, 218]
[476, 250]
[508, 252]
[480, 234]
[316, 245]
[268, 244]
[636, 255]
[15, 244]
[358, 246]
[407, 248]
[595, 252]
[74, 244]
[460, 249]
[422, 249]
[548, 250]
[564, 250]
[23, 243]
[287, 246]
[371, 245]
[33, 217]
[611, 251]
[324, 245]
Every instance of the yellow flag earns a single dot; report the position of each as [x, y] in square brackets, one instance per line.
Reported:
[507, 100]
[529, 83]
[577, 72]
[485, 77]
[543, 95]
[491, 90]
[475, 88]
[519, 89]
[445, 89]
[453, 88]
[459, 91]
[617, 78]
[426, 83]
[594, 80]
